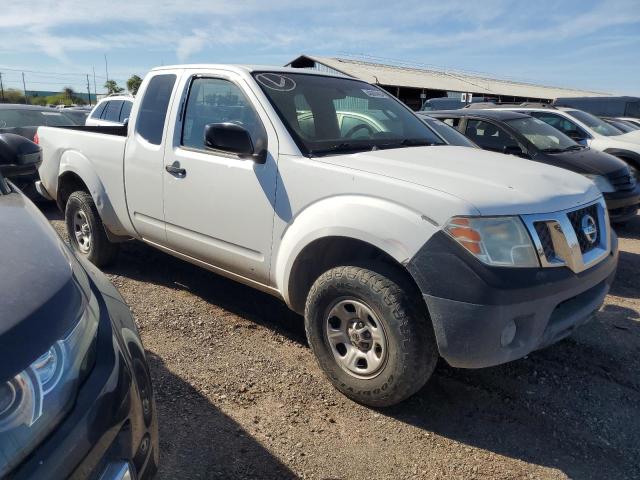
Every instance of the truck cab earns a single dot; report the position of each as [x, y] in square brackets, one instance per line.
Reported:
[332, 195]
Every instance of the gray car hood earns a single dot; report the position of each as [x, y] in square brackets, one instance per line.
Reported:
[43, 290]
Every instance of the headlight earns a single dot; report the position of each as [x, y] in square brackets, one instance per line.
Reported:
[602, 183]
[496, 241]
[34, 401]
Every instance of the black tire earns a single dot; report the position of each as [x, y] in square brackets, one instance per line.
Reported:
[101, 252]
[411, 353]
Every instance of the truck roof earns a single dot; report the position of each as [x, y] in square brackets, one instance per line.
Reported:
[249, 69]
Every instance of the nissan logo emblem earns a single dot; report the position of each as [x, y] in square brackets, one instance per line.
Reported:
[589, 228]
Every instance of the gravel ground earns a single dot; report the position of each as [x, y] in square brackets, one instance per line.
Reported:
[240, 396]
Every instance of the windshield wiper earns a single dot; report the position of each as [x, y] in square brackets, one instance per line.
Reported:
[359, 147]
[574, 147]
[408, 142]
[341, 147]
[562, 150]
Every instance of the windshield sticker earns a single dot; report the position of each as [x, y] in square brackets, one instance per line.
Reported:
[275, 81]
[374, 93]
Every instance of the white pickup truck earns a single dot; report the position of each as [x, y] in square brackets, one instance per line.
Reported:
[329, 193]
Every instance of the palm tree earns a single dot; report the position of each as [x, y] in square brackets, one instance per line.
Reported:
[69, 93]
[133, 84]
[112, 87]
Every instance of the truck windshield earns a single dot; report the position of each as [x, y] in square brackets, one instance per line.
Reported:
[593, 122]
[327, 115]
[542, 135]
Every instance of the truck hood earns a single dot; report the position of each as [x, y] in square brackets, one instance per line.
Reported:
[633, 137]
[618, 142]
[585, 161]
[42, 288]
[492, 183]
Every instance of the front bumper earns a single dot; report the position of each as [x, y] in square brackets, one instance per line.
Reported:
[113, 422]
[623, 206]
[484, 316]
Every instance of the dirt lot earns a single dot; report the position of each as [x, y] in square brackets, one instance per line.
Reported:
[240, 396]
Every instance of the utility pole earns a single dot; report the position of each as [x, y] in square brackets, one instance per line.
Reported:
[88, 89]
[106, 66]
[25, 89]
[95, 90]
[1, 87]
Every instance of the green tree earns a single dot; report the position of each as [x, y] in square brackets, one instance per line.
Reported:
[13, 95]
[112, 87]
[133, 84]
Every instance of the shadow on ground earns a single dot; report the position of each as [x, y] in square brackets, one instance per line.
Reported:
[630, 229]
[199, 441]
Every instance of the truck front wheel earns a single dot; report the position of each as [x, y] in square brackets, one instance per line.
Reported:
[370, 333]
[87, 234]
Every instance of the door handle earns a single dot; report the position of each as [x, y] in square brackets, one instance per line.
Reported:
[175, 169]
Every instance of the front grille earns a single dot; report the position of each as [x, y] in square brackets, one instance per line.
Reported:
[576, 217]
[542, 229]
[622, 180]
[560, 239]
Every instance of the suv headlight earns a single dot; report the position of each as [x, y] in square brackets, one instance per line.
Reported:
[36, 399]
[601, 182]
[495, 241]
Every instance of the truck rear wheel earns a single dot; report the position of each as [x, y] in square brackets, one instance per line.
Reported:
[86, 231]
[370, 333]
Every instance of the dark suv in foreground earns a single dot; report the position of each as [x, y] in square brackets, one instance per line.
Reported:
[525, 136]
[75, 392]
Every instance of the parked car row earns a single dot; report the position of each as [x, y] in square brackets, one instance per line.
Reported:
[400, 239]
[515, 133]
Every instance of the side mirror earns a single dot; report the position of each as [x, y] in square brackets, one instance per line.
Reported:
[234, 138]
[18, 156]
[513, 150]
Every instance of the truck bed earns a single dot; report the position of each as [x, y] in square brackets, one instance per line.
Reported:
[93, 153]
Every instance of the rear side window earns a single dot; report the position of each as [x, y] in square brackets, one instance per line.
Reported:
[112, 111]
[153, 111]
[98, 110]
[452, 122]
[126, 111]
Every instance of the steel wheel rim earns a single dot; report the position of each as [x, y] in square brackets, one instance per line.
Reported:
[356, 337]
[82, 231]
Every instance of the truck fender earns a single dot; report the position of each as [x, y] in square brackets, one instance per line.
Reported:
[74, 162]
[395, 229]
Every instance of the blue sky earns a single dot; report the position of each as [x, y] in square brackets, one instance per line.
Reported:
[588, 44]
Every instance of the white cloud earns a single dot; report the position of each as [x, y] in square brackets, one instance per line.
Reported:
[415, 29]
[191, 44]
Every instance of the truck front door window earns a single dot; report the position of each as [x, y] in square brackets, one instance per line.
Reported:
[215, 100]
[153, 111]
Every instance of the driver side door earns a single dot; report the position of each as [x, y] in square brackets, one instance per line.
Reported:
[218, 206]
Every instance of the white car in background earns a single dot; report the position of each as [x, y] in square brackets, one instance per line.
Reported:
[111, 110]
[586, 129]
